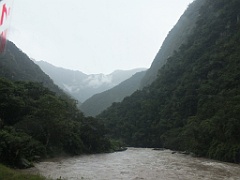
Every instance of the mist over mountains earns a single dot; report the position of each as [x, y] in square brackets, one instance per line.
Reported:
[193, 101]
[101, 101]
[37, 119]
[82, 86]
[189, 100]
[175, 38]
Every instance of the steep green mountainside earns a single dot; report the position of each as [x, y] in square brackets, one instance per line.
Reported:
[175, 38]
[16, 65]
[99, 102]
[194, 104]
[36, 122]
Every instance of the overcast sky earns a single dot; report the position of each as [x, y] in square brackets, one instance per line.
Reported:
[94, 36]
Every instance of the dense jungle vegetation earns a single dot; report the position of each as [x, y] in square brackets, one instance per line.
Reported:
[194, 104]
[36, 123]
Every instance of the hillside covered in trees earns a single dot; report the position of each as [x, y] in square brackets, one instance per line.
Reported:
[175, 38]
[15, 65]
[101, 101]
[36, 122]
[194, 103]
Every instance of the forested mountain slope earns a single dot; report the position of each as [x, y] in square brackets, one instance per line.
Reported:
[36, 122]
[194, 104]
[99, 102]
[175, 38]
[16, 65]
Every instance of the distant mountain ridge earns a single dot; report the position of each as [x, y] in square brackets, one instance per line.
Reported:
[82, 86]
[175, 38]
[99, 102]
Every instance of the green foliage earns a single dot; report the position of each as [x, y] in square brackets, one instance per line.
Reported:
[117, 145]
[99, 102]
[93, 136]
[194, 103]
[10, 174]
[37, 123]
[16, 145]
[17, 66]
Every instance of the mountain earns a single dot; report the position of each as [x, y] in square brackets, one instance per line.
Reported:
[175, 38]
[82, 86]
[194, 103]
[17, 66]
[36, 122]
[99, 102]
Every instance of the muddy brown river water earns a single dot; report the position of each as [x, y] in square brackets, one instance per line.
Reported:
[138, 164]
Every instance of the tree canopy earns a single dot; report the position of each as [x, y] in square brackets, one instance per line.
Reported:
[35, 122]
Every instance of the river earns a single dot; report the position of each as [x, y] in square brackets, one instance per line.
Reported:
[138, 164]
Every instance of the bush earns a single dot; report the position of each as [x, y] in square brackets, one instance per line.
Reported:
[9, 174]
[17, 145]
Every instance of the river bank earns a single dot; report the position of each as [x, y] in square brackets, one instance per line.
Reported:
[12, 174]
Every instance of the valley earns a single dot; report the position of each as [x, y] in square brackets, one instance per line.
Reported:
[187, 101]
